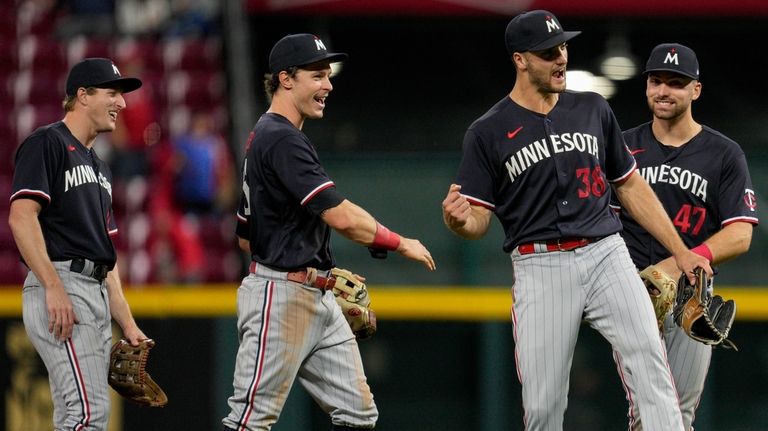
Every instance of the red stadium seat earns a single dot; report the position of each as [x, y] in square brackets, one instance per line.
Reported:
[42, 54]
[192, 54]
[82, 47]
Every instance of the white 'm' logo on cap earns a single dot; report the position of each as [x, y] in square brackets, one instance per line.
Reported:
[552, 25]
[319, 44]
[671, 58]
[114, 69]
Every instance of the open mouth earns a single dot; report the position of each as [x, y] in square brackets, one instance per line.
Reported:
[113, 115]
[320, 100]
[559, 74]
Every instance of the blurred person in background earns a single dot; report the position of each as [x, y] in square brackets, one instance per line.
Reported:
[204, 180]
[137, 127]
[86, 17]
[62, 221]
[714, 215]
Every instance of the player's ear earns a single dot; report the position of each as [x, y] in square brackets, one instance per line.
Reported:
[696, 90]
[519, 60]
[82, 92]
[285, 80]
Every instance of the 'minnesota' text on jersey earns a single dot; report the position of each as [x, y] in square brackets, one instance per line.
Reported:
[74, 188]
[546, 176]
[704, 185]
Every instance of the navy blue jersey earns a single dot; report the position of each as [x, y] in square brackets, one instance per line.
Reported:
[284, 192]
[74, 188]
[546, 176]
[704, 185]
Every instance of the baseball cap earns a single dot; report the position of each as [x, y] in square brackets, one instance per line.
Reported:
[535, 31]
[673, 57]
[100, 73]
[299, 50]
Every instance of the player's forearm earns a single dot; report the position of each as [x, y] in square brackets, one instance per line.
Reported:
[474, 227]
[730, 242]
[118, 305]
[28, 236]
[352, 222]
[639, 200]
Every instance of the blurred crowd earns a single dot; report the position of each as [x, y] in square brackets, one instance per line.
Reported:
[174, 171]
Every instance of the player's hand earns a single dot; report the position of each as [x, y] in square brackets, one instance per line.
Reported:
[415, 250]
[134, 335]
[669, 266]
[61, 313]
[688, 261]
[456, 208]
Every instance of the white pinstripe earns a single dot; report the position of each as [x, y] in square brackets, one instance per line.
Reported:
[301, 334]
[689, 361]
[553, 292]
[78, 367]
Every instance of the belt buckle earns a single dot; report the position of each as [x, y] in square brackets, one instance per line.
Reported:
[99, 272]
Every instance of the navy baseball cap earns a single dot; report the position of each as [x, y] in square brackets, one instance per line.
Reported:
[99, 73]
[535, 31]
[673, 57]
[300, 50]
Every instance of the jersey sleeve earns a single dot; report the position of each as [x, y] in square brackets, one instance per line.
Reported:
[243, 210]
[620, 164]
[737, 200]
[475, 174]
[296, 164]
[36, 164]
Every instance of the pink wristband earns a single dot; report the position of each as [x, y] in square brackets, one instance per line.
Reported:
[703, 250]
[385, 239]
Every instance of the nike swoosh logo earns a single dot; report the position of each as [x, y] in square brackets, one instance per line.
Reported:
[639, 150]
[512, 134]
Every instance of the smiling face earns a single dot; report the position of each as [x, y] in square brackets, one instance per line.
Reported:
[670, 94]
[546, 68]
[311, 86]
[103, 106]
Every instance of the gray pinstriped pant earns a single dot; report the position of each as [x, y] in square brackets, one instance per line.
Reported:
[287, 331]
[78, 367]
[553, 292]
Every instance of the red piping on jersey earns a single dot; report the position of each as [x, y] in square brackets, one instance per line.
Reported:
[317, 190]
[78, 375]
[266, 309]
[623, 179]
[23, 192]
[743, 219]
[480, 203]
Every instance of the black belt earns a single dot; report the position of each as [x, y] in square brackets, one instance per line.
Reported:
[99, 271]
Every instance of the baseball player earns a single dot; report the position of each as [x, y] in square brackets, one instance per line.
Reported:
[288, 326]
[542, 160]
[701, 178]
[62, 221]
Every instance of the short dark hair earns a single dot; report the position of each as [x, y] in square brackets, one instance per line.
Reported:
[272, 81]
[69, 101]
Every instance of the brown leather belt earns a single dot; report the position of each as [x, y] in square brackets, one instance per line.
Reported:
[560, 244]
[308, 277]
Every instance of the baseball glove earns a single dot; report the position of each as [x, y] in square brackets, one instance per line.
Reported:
[662, 288]
[128, 375]
[703, 316]
[352, 296]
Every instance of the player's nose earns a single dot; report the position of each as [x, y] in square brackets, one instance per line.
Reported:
[120, 101]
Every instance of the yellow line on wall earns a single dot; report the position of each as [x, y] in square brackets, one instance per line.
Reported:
[390, 302]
